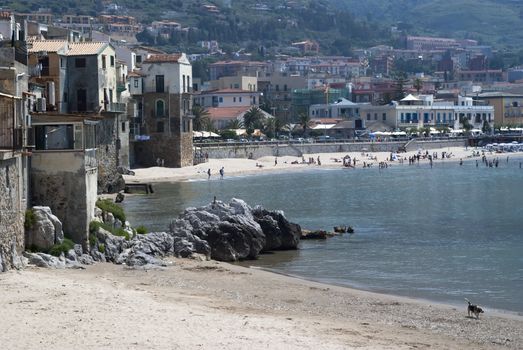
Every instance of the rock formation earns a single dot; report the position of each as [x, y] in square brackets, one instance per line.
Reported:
[45, 231]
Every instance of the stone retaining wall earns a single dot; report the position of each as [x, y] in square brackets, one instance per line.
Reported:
[264, 150]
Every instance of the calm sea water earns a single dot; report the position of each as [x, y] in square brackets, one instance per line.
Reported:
[441, 234]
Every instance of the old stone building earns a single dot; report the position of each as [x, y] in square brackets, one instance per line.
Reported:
[165, 105]
[13, 141]
[84, 78]
[64, 170]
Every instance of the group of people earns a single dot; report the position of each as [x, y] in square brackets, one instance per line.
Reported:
[222, 173]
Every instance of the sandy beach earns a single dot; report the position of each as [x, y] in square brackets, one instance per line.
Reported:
[212, 305]
[242, 166]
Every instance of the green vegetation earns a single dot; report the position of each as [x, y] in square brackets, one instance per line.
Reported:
[30, 219]
[101, 248]
[95, 225]
[63, 247]
[107, 205]
[141, 230]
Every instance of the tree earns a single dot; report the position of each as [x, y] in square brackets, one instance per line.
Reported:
[486, 127]
[235, 124]
[201, 120]
[400, 80]
[417, 84]
[253, 119]
[304, 120]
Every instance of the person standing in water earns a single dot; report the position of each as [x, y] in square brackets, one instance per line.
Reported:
[221, 173]
[208, 174]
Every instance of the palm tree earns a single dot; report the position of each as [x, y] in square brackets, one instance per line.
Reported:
[253, 119]
[202, 120]
[304, 120]
[235, 124]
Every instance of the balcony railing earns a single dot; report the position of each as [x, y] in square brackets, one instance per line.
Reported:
[116, 107]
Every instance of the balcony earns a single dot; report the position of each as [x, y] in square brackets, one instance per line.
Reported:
[115, 107]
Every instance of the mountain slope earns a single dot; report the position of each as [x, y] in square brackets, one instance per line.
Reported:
[496, 22]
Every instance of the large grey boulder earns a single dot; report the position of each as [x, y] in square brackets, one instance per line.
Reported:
[45, 260]
[229, 229]
[46, 230]
[187, 245]
[280, 233]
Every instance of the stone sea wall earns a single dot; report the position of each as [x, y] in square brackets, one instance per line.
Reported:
[263, 150]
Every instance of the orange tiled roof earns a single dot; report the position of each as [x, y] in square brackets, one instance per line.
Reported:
[86, 48]
[216, 113]
[47, 45]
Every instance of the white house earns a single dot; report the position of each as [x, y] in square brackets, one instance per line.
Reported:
[167, 73]
[423, 110]
[227, 98]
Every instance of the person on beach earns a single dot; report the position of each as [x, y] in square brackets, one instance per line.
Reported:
[319, 162]
[275, 161]
[158, 162]
[208, 174]
[221, 173]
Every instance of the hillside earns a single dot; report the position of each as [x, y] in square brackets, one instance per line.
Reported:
[495, 22]
[338, 25]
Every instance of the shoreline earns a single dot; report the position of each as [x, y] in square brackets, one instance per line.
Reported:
[515, 315]
[210, 304]
[235, 167]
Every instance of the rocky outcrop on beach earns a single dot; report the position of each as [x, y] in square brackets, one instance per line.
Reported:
[235, 231]
[220, 231]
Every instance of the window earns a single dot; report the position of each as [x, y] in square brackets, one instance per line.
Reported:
[384, 116]
[234, 99]
[183, 88]
[160, 83]
[160, 109]
[62, 62]
[368, 116]
[112, 61]
[160, 127]
[375, 116]
[138, 59]
[49, 137]
[220, 99]
[136, 83]
[285, 87]
[123, 126]
[240, 99]
[104, 63]
[79, 63]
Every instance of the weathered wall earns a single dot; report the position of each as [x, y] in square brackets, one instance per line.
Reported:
[61, 181]
[107, 155]
[258, 151]
[173, 144]
[12, 211]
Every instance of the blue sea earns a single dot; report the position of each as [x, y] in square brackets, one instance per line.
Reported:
[442, 234]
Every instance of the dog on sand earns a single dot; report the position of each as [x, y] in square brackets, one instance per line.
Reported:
[473, 309]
